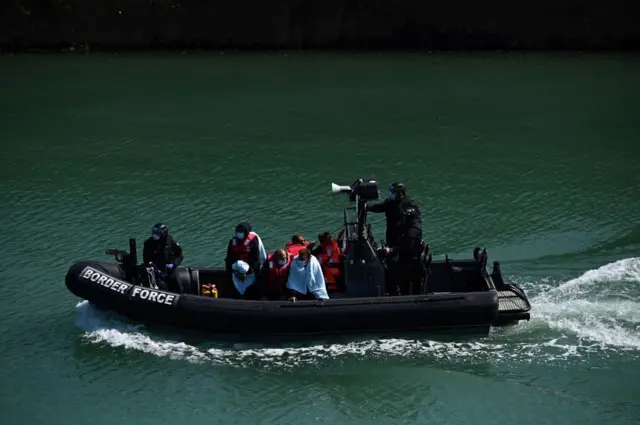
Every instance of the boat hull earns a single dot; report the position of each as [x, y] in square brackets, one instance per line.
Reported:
[104, 284]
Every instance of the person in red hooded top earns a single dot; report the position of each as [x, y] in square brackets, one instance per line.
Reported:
[331, 260]
[296, 244]
[275, 274]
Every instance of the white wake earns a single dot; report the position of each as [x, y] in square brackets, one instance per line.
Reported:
[593, 314]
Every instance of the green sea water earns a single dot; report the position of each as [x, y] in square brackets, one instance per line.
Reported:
[534, 157]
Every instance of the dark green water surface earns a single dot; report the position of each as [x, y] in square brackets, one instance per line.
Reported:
[534, 157]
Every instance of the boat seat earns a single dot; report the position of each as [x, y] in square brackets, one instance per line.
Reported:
[455, 275]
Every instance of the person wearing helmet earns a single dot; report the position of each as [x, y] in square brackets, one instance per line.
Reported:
[162, 250]
[393, 208]
[403, 239]
[405, 271]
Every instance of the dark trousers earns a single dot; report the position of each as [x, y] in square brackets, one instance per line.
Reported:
[169, 284]
[253, 292]
[166, 283]
[273, 293]
[404, 276]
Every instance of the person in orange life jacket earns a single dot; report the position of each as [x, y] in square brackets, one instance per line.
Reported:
[296, 244]
[247, 246]
[331, 259]
[306, 280]
[275, 274]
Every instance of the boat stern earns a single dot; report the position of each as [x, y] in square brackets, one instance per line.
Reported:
[513, 305]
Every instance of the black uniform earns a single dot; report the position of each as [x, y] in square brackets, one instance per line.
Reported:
[404, 237]
[162, 252]
[405, 268]
[154, 252]
[393, 211]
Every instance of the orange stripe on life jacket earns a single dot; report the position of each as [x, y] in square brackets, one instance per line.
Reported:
[331, 264]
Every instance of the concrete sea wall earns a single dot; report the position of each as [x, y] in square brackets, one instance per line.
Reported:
[293, 24]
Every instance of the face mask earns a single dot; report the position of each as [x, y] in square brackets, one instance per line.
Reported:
[392, 196]
[155, 236]
[240, 235]
[305, 261]
[282, 262]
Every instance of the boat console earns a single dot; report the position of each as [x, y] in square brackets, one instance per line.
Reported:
[364, 272]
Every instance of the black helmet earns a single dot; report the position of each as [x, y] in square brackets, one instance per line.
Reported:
[395, 189]
[159, 231]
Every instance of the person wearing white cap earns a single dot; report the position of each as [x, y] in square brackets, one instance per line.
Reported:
[243, 279]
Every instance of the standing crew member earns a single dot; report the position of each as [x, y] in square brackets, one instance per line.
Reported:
[276, 273]
[404, 230]
[393, 208]
[405, 268]
[245, 246]
[331, 259]
[163, 251]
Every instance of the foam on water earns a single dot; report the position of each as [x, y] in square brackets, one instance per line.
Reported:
[592, 314]
[598, 306]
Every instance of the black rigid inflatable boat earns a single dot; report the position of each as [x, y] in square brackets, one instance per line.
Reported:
[456, 296]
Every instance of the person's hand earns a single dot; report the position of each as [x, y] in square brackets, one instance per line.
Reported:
[170, 266]
[387, 250]
[292, 299]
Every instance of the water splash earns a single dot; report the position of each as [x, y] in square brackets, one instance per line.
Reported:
[572, 320]
[597, 306]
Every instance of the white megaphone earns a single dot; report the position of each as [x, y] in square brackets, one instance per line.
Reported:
[338, 189]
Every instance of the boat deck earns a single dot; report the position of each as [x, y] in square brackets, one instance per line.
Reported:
[510, 301]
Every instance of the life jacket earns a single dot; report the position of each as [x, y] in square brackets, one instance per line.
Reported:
[294, 248]
[331, 264]
[277, 275]
[241, 249]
